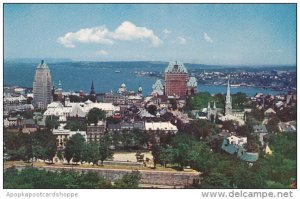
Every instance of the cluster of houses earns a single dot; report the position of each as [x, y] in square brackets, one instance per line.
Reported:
[278, 102]
[160, 111]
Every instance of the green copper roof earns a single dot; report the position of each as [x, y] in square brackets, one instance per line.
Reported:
[192, 82]
[242, 154]
[249, 157]
[158, 87]
[176, 67]
[229, 148]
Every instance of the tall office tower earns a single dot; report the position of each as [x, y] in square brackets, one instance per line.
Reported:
[42, 86]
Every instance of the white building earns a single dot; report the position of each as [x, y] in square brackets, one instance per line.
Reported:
[79, 109]
[237, 140]
[160, 126]
[12, 100]
[11, 122]
[62, 135]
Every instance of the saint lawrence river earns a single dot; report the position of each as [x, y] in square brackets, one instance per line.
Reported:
[107, 76]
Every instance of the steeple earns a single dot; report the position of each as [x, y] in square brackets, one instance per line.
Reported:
[228, 104]
[228, 88]
[92, 88]
[214, 105]
[208, 109]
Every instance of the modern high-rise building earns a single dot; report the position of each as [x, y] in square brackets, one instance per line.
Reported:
[42, 85]
[176, 78]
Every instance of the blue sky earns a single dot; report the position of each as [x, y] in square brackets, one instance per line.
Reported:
[243, 34]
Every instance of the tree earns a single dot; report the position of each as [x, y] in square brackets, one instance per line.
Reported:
[60, 155]
[202, 129]
[229, 125]
[104, 151]
[215, 180]
[74, 98]
[28, 155]
[74, 126]
[287, 114]
[44, 143]
[239, 100]
[91, 152]
[74, 148]
[156, 150]
[152, 109]
[252, 144]
[245, 130]
[94, 115]
[32, 178]
[256, 114]
[166, 155]
[272, 124]
[182, 153]
[243, 172]
[140, 138]
[14, 144]
[220, 100]
[198, 101]
[129, 181]
[51, 122]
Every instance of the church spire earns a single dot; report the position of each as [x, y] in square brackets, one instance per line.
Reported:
[228, 88]
[92, 88]
[228, 103]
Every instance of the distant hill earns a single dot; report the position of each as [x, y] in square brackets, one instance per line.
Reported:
[37, 60]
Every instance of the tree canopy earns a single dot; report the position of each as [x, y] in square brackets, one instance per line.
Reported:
[94, 115]
[74, 148]
[32, 178]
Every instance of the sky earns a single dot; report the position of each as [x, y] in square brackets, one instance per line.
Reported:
[228, 34]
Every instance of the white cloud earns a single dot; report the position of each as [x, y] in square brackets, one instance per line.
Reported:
[102, 52]
[166, 31]
[181, 40]
[87, 35]
[207, 38]
[127, 31]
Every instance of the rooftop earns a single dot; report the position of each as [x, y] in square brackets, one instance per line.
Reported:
[192, 82]
[176, 67]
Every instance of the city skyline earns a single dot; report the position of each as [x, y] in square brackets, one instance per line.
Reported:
[229, 34]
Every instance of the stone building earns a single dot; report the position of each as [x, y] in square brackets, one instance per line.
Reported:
[176, 78]
[95, 132]
[62, 135]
